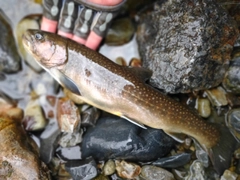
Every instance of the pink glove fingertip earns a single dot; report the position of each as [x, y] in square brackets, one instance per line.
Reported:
[49, 25]
[64, 34]
[93, 41]
[79, 40]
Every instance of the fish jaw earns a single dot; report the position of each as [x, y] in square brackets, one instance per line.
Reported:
[49, 50]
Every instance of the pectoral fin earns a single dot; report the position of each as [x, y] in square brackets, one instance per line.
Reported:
[65, 81]
[132, 121]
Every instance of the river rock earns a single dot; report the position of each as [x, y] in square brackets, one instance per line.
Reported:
[187, 44]
[34, 118]
[120, 32]
[154, 173]
[228, 175]
[84, 170]
[48, 140]
[19, 158]
[231, 80]
[109, 167]
[233, 122]
[68, 115]
[114, 137]
[127, 170]
[9, 57]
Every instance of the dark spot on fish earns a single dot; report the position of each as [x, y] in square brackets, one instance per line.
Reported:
[87, 72]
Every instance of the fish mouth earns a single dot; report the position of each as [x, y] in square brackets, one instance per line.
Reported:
[27, 40]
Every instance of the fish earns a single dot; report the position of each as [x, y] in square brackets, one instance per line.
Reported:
[123, 91]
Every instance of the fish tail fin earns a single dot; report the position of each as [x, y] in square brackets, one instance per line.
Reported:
[221, 153]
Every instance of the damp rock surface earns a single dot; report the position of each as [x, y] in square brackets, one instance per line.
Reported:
[128, 141]
[9, 57]
[187, 44]
[19, 158]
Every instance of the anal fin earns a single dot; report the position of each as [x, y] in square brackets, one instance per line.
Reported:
[134, 122]
[179, 137]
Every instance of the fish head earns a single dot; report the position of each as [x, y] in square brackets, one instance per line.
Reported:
[48, 49]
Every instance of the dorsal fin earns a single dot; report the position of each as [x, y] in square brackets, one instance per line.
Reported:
[141, 72]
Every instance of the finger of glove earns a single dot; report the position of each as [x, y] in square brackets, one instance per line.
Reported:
[51, 9]
[83, 23]
[68, 16]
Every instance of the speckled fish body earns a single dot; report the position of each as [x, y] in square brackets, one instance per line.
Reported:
[116, 89]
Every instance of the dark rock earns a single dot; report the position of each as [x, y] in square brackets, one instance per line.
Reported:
[48, 141]
[187, 44]
[154, 173]
[84, 170]
[9, 57]
[89, 115]
[114, 137]
[173, 161]
[120, 32]
[231, 80]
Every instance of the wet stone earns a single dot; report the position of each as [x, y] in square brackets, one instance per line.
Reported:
[155, 173]
[173, 161]
[120, 32]
[109, 168]
[10, 61]
[70, 139]
[203, 107]
[233, 100]
[19, 158]
[196, 171]
[127, 170]
[217, 96]
[84, 169]
[174, 46]
[68, 115]
[233, 122]
[231, 80]
[128, 141]
[48, 141]
[89, 115]
[34, 118]
[121, 61]
[135, 62]
[228, 175]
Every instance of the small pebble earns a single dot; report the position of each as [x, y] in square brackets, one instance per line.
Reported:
[217, 96]
[109, 168]
[135, 62]
[127, 170]
[237, 153]
[203, 107]
[150, 172]
[34, 118]
[121, 61]
[228, 175]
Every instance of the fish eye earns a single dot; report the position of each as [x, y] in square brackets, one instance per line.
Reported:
[38, 36]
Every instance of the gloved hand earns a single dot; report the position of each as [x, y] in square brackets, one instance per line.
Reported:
[84, 21]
